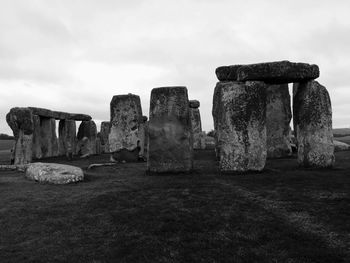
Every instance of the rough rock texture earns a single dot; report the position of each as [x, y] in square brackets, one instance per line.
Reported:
[278, 72]
[37, 153]
[340, 146]
[48, 137]
[216, 112]
[105, 129]
[59, 115]
[87, 134]
[143, 138]
[196, 124]
[20, 121]
[169, 131]
[54, 173]
[67, 138]
[241, 116]
[312, 113]
[278, 116]
[126, 117]
[227, 73]
[98, 144]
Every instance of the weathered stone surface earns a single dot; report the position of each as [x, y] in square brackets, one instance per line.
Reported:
[21, 122]
[87, 134]
[67, 138]
[196, 125]
[241, 123]
[54, 173]
[227, 73]
[126, 117]
[194, 104]
[216, 113]
[278, 72]
[105, 130]
[312, 113]
[143, 131]
[278, 116]
[340, 146]
[59, 115]
[169, 131]
[98, 144]
[37, 153]
[48, 137]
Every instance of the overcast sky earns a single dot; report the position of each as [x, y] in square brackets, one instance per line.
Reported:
[72, 55]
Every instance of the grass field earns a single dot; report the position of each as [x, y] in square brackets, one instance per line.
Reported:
[118, 214]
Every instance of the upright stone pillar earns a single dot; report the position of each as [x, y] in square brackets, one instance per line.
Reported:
[37, 153]
[278, 116]
[48, 137]
[216, 112]
[196, 124]
[169, 132]
[20, 121]
[67, 137]
[87, 134]
[143, 137]
[241, 125]
[124, 136]
[105, 130]
[312, 112]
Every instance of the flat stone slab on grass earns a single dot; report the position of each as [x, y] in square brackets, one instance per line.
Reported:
[278, 72]
[340, 146]
[54, 173]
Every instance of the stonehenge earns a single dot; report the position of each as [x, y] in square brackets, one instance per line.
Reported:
[104, 132]
[196, 125]
[125, 131]
[169, 131]
[311, 111]
[35, 135]
[87, 136]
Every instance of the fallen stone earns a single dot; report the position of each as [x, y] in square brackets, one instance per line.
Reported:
[312, 112]
[278, 116]
[21, 122]
[227, 73]
[59, 115]
[169, 132]
[54, 173]
[126, 117]
[340, 146]
[278, 72]
[124, 155]
[242, 126]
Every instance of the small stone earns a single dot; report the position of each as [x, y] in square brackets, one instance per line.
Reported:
[54, 173]
[278, 72]
[194, 104]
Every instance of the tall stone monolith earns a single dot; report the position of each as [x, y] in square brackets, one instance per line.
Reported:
[104, 132]
[143, 137]
[312, 113]
[20, 121]
[86, 136]
[48, 137]
[196, 124]
[37, 153]
[216, 113]
[126, 118]
[278, 116]
[169, 131]
[240, 117]
[67, 138]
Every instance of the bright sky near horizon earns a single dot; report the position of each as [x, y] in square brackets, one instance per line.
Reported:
[75, 55]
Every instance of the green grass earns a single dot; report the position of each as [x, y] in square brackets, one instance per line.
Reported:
[118, 214]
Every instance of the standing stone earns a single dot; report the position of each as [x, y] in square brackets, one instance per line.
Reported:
[48, 137]
[143, 137]
[312, 112]
[37, 153]
[196, 124]
[278, 116]
[169, 131]
[216, 112]
[20, 121]
[67, 137]
[105, 130]
[87, 134]
[241, 116]
[98, 144]
[126, 117]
